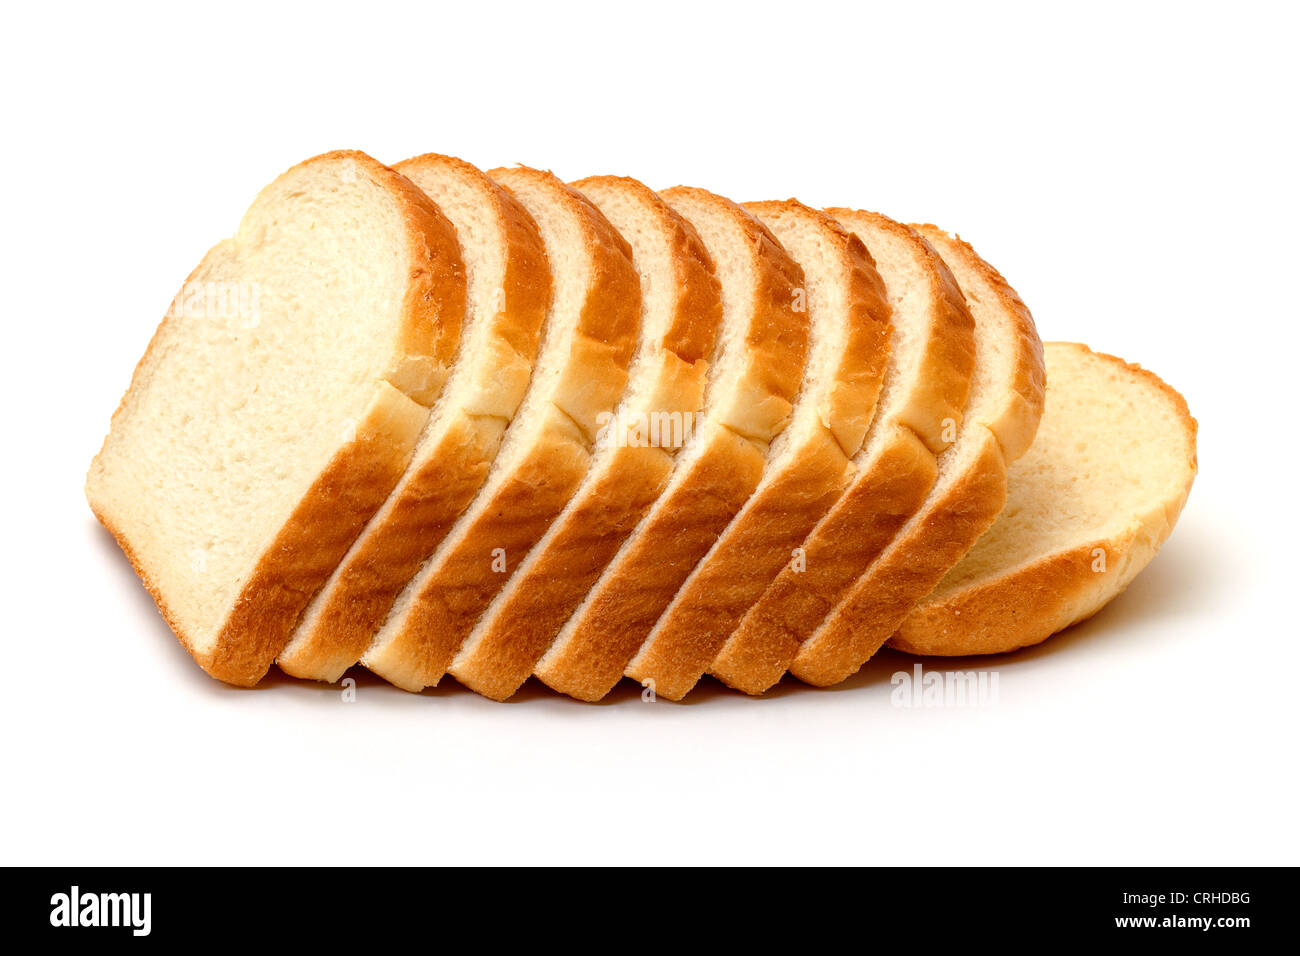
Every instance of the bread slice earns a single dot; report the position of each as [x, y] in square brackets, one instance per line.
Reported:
[1003, 410]
[810, 463]
[509, 290]
[926, 383]
[587, 343]
[680, 309]
[753, 377]
[1088, 506]
[279, 403]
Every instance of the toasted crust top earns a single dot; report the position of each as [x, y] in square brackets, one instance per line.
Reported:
[608, 326]
[611, 257]
[527, 287]
[856, 381]
[937, 393]
[693, 332]
[776, 338]
[1020, 408]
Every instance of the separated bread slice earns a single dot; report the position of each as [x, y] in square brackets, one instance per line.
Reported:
[754, 374]
[1088, 506]
[680, 310]
[587, 343]
[1002, 412]
[931, 359]
[509, 290]
[279, 403]
[810, 462]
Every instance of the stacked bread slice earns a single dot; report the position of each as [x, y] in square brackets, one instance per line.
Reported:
[1002, 412]
[925, 391]
[280, 402]
[509, 290]
[1088, 506]
[588, 343]
[809, 464]
[434, 420]
[681, 308]
[757, 367]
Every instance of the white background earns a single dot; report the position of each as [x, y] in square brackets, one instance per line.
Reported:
[1131, 168]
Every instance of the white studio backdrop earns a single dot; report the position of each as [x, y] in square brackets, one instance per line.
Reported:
[1129, 167]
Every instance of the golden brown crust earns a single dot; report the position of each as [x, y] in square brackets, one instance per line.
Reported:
[308, 546]
[314, 539]
[366, 584]
[931, 543]
[694, 328]
[435, 299]
[502, 532]
[1022, 608]
[517, 629]
[890, 485]
[1016, 420]
[609, 324]
[588, 534]
[938, 394]
[776, 340]
[510, 518]
[762, 538]
[362, 472]
[588, 657]
[1027, 604]
[861, 370]
[446, 476]
[959, 509]
[527, 290]
[596, 644]
[750, 553]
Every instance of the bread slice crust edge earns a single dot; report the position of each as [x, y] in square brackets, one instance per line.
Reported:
[893, 478]
[362, 471]
[417, 644]
[702, 496]
[625, 479]
[1027, 604]
[447, 474]
[798, 490]
[954, 516]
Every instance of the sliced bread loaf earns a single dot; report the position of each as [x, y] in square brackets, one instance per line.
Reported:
[680, 310]
[810, 462]
[509, 290]
[753, 377]
[588, 340]
[1088, 506]
[1002, 413]
[279, 403]
[931, 359]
